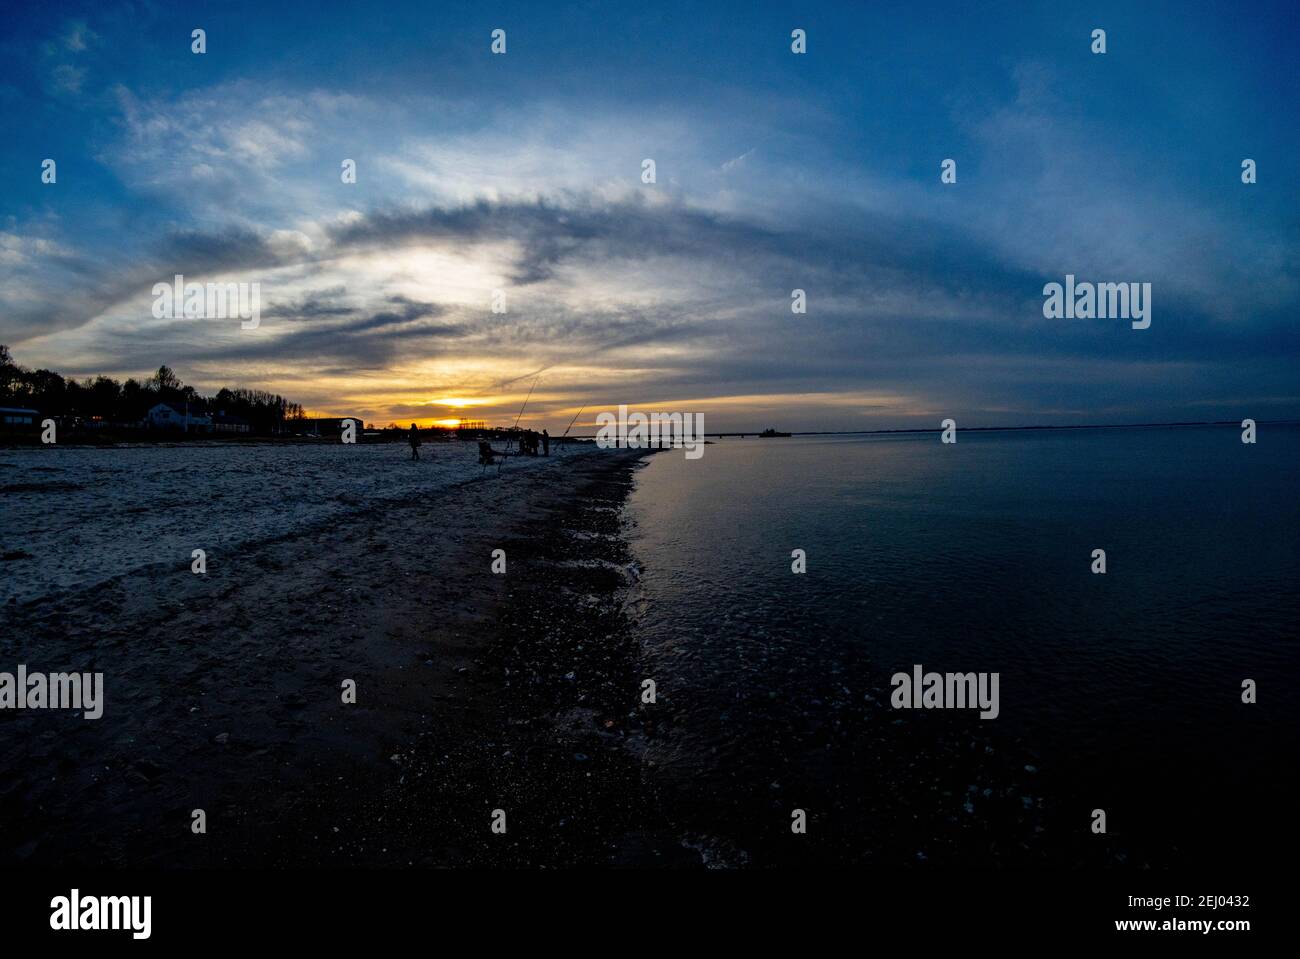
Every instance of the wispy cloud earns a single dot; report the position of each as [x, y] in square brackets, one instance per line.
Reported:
[772, 176]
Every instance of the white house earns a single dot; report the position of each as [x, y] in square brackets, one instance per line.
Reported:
[164, 417]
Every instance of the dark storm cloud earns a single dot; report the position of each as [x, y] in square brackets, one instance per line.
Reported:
[362, 341]
[320, 303]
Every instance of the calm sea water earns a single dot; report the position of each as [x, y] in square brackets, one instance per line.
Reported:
[1119, 691]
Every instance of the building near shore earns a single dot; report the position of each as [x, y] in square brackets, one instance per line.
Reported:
[165, 417]
[18, 416]
[223, 423]
[19, 419]
[324, 425]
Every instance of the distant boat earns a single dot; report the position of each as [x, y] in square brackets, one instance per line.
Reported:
[771, 432]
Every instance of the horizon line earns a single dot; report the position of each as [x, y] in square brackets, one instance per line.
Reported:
[991, 429]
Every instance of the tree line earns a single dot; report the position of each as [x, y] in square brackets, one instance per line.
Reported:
[127, 403]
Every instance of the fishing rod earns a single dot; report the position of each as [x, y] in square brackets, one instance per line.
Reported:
[571, 422]
[521, 410]
[526, 399]
[574, 420]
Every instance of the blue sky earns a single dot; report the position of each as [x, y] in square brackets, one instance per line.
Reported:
[775, 171]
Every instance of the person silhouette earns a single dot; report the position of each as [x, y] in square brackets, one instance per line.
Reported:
[546, 443]
[414, 440]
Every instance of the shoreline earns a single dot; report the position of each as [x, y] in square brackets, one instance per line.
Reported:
[474, 692]
[478, 692]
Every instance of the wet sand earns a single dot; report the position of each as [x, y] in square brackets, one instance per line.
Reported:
[475, 692]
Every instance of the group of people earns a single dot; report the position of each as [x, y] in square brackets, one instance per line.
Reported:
[528, 442]
[529, 439]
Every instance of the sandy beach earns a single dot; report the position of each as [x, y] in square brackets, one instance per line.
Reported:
[223, 691]
[520, 692]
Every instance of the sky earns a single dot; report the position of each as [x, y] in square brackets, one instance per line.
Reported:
[774, 171]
